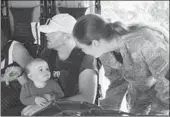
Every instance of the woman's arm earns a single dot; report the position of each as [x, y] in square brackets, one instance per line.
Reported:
[87, 86]
[22, 57]
[155, 53]
[156, 57]
[157, 60]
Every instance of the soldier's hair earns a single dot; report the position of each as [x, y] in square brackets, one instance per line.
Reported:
[93, 27]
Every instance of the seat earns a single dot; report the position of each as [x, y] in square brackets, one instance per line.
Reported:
[21, 14]
[17, 22]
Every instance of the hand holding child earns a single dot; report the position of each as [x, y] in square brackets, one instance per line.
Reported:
[40, 101]
[49, 97]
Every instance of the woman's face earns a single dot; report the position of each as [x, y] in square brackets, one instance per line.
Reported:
[96, 49]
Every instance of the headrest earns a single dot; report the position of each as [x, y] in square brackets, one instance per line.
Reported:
[23, 4]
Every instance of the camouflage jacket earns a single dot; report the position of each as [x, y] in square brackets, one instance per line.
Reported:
[146, 54]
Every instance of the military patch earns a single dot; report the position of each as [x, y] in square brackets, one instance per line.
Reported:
[151, 55]
[158, 64]
[150, 52]
[161, 52]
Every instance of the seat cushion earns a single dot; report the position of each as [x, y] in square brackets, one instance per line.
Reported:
[10, 95]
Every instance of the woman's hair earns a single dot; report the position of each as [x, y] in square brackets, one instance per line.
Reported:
[93, 27]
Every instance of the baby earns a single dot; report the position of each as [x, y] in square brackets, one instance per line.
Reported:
[40, 89]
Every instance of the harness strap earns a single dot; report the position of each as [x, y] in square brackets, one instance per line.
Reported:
[98, 95]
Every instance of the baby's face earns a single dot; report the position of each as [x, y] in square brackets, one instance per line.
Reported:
[39, 71]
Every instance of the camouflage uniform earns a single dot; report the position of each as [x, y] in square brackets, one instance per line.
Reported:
[146, 54]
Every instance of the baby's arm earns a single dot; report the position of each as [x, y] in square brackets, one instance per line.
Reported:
[25, 95]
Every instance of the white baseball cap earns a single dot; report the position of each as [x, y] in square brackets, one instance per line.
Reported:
[60, 22]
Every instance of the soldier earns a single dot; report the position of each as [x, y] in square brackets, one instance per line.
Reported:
[144, 55]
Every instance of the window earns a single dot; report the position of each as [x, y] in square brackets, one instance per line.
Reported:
[132, 11]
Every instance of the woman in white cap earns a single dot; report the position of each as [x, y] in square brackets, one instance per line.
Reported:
[77, 73]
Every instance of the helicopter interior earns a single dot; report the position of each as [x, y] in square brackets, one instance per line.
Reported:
[17, 18]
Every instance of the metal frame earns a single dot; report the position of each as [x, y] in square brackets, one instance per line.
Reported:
[5, 17]
[97, 7]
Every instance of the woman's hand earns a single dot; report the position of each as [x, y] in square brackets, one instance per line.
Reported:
[11, 74]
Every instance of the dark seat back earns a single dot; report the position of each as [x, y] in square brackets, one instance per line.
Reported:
[21, 14]
[18, 20]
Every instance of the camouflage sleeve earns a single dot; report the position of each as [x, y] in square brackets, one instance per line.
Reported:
[162, 88]
[161, 99]
[157, 59]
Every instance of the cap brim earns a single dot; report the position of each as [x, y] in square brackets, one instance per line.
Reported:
[47, 29]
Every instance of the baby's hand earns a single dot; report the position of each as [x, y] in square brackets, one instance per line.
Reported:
[40, 101]
[49, 97]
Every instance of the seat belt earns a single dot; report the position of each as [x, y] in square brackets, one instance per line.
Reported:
[98, 95]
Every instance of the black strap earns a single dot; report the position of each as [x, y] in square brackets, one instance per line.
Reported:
[118, 56]
[98, 95]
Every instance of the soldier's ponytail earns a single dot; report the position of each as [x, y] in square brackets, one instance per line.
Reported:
[117, 28]
[93, 27]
